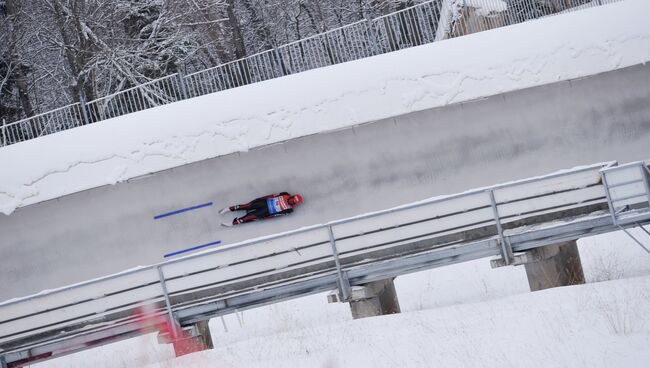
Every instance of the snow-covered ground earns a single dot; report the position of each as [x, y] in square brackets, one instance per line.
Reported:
[466, 315]
[483, 64]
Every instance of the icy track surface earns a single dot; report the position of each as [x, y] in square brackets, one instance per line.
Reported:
[544, 51]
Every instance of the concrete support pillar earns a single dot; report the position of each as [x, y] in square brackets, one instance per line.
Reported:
[373, 299]
[554, 265]
[192, 339]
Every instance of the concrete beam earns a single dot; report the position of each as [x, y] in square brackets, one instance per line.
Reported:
[554, 265]
[373, 299]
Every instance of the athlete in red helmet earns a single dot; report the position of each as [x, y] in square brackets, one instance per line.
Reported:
[265, 207]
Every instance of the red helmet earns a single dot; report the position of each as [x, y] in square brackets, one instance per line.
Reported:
[295, 199]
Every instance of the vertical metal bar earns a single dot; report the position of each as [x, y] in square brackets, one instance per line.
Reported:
[72, 116]
[311, 56]
[127, 96]
[194, 86]
[421, 20]
[248, 71]
[266, 62]
[3, 362]
[63, 120]
[200, 84]
[347, 44]
[356, 53]
[84, 110]
[91, 112]
[54, 121]
[136, 99]
[644, 177]
[321, 51]
[237, 74]
[125, 102]
[172, 321]
[143, 100]
[253, 69]
[228, 74]
[329, 51]
[372, 39]
[120, 108]
[344, 286]
[411, 23]
[12, 136]
[279, 63]
[603, 175]
[181, 83]
[292, 64]
[334, 49]
[66, 117]
[4, 132]
[393, 43]
[216, 76]
[505, 247]
[260, 65]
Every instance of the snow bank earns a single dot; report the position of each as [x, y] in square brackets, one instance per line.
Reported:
[596, 325]
[530, 54]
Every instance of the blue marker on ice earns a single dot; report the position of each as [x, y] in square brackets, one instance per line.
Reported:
[191, 249]
[182, 210]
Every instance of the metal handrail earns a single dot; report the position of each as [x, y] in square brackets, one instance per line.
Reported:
[40, 115]
[133, 88]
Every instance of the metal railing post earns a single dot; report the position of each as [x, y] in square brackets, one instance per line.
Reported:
[172, 320]
[610, 203]
[84, 110]
[344, 284]
[181, 83]
[3, 362]
[506, 250]
[644, 177]
[4, 132]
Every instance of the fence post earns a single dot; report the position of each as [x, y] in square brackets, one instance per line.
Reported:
[344, 283]
[181, 83]
[174, 328]
[84, 110]
[372, 38]
[4, 132]
[506, 249]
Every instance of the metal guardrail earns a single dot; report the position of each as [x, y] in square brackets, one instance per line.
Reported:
[436, 232]
[424, 23]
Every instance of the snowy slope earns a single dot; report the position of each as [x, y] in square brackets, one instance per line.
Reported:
[535, 53]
